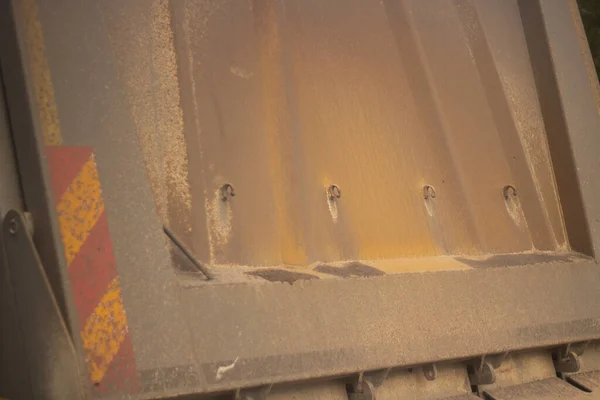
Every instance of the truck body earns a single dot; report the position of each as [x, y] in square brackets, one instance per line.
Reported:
[298, 199]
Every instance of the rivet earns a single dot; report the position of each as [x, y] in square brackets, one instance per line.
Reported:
[334, 192]
[227, 191]
[428, 192]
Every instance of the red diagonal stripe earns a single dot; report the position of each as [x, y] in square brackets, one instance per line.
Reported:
[64, 164]
[121, 376]
[92, 270]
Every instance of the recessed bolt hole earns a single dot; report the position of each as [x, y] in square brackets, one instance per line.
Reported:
[428, 192]
[227, 191]
[334, 192]
[509, 192]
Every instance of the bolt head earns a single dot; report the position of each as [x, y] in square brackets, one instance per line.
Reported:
[12, 226]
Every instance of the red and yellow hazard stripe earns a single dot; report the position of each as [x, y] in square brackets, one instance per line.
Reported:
[88, 249]
[92, 268]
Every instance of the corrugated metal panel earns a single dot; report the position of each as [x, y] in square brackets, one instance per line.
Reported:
[284, 98]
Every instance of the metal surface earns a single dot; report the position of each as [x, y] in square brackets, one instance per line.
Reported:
[14, 385]
[201, 268]
[282, 99]
[48, 348]
[566, 360]
[547, 389]
[588, 377]
[586, 381]
[568, 93]
[26, 125]
[306, 332]
[452, 382]
[483, 374]
[296, 96]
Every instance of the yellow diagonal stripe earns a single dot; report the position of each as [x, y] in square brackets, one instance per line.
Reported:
[104, 332]
[79, 209]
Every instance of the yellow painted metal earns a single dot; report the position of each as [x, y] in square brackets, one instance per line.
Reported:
[104, 331]
[79, 209]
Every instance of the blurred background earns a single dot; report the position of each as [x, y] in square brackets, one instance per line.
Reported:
[590, 13]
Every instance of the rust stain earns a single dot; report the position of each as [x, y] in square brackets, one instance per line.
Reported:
[104, 332]
[79, 209]
[378, 117]
[40, 74]
[277, 127]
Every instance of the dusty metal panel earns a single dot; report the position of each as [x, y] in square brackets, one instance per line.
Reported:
[27, 121]
[330, 390]
[283, 99]
[77, 50]
[274, 332]
[291, 97]
[547, 389]
[14, 378]
[25, 100]
[520, 368]
[570, 103]
[451, 380]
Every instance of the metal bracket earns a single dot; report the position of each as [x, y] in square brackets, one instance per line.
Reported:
[483, 373]
[566, 358]
[430, 372]
[363, 388]
[51, 357]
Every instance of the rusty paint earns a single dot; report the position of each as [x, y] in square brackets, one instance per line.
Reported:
[277, 125]
[104, 332]
[79, 209]
[40, 73]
